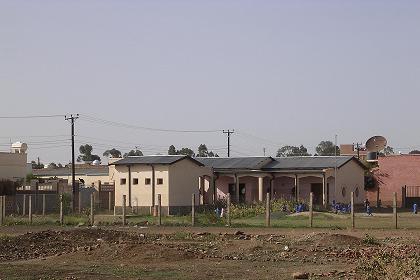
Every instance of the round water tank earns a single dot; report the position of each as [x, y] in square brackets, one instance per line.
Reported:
[372, 157]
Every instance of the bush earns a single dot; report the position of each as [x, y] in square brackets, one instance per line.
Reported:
[258, 208]
[370, 240]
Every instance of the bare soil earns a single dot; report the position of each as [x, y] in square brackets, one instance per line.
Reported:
[193, 253]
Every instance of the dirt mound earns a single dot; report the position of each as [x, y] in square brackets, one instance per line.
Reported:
[50, 243]
[326, 239]
[339, 240]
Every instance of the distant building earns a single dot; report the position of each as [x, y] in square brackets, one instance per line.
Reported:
[90, 174]
[13, 165]
[351, 150]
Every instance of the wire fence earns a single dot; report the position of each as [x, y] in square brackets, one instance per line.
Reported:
[55, 209]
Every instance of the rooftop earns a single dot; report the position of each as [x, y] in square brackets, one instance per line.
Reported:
[251, 163]
[165, 160]
[308, 163]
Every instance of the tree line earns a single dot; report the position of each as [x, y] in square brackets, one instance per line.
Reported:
[324, 148]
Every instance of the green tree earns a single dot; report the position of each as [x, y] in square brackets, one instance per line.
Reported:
[133, 153]
[37, 165]
[204, 152]
[52, 165]
[292, 151]
[172, 150]
[388, 151]
[86, 154]
[327, 148]
[186, 151]
[114, 153]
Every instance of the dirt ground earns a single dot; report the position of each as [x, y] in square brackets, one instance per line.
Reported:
[204, 253]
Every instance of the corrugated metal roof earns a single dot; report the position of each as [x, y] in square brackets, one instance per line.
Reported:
[303, 163]
[153, 160]
[251, 163]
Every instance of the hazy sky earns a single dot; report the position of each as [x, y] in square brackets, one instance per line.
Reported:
[290, 72]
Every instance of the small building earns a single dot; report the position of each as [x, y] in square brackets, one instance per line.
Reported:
[90, 174]
[392, 174]
[248, 179]
[141, 179]
[13, 165]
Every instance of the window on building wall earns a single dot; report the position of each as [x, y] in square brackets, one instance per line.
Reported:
[147, 181]
[123, 181]
[356, 192]
[159, 181]
[343, 191]
[135, 181]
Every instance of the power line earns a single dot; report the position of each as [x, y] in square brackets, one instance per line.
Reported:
[31, 117]
[129, 126]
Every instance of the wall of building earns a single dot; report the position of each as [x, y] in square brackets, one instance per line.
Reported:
[141, 194]
[184, 181]
[350, 177]
[393, 173]
[90, 180]
[12, 166]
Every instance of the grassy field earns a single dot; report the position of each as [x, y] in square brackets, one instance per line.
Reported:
[278, 220]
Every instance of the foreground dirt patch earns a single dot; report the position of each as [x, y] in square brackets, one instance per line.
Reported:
[116, 254]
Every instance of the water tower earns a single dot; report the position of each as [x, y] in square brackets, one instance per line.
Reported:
[19, 148]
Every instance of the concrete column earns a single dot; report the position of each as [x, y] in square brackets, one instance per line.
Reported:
[236, 188]
[129, 186]
[324, 190]
[272, 188]
[202, 188]
[210, 192]
[260, 188]
[297, 187]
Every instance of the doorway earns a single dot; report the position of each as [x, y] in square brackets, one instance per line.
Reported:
[316, 189]
[242, 192]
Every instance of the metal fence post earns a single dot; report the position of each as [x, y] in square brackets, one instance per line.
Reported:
[30, 209]
[24, 205]
[61, 210]
[159, 210]
[267, 211]
[311, 209]
[44, 203]
[352, 209]
[394, 206]
[110, 201]
[123, 210]
[228, 210]
[79, 198]
[193, 210]
[1, 210]
[92, 209]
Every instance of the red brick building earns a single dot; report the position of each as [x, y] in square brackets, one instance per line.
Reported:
[393, 173]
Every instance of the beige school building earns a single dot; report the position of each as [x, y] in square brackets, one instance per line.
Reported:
[246, 179]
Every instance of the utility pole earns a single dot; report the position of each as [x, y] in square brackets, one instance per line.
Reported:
[358, 148]
[72, 118]
[228, 132]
